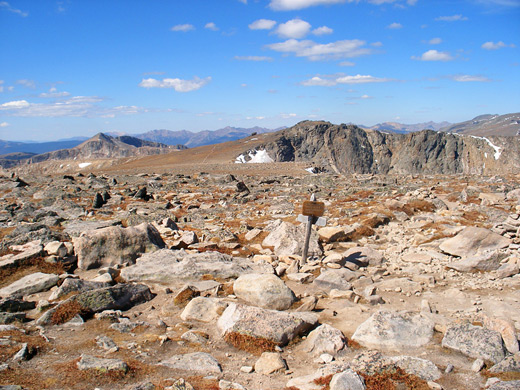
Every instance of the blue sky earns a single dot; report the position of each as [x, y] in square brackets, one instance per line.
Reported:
[78, 67]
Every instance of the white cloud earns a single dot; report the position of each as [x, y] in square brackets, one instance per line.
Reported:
[468, 78]
[77, 106]
[287, 116]
[395, 26]
[319, 52]
[253, 58]
[495, 46]
[295, 28]
[346, 63]
[366, 97]
[377, 44]
[183, 27]
[434, 55]
[4, 124]
[323, 30]
[435, 41]
[333, 80]
[452, 18]
[178, 85]
[27, 83]
[53, 93]
[14, 105]
[211, 26]
[287, 5]
[7, 6]
[262, 24]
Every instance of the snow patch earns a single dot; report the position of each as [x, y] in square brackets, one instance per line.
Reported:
[497, 148]
[84, 165]
[311, 170]
[255, 157]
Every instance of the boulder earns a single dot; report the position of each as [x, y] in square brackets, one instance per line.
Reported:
[332, 234]
[170, 266]
[197, 363]
[88, 362]
[30, 284]
[347, 380]
[264, 290]
[505, 385]
[203, 309]
[247, 324]
[395, 330]
[422, 368]
[270, 362]
[335, 279]
[76, 285]
[487, 261]
[115, 245]
[325, 339]
[472, 241]
[509, 364]
[475, 341]
[364, 257]
[118, 297]
[288, 239]
[507, 330]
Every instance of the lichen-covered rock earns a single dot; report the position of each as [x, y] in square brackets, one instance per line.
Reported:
[395, 330]
[475, 341]
[88, 362]
[347, 380]
[422, 368]
[203, 309]
[116, 245]
[325, 339]
[240, 324]
[197, 363]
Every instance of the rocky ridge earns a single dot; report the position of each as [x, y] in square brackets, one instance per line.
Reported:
[171, 282]
[349, 149]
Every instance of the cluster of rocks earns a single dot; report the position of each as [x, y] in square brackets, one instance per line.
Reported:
[201, 277]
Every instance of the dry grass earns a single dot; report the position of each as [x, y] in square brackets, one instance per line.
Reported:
[66, 311]
[35, 344]
[394, 380]
[253, 345]
[10, 275]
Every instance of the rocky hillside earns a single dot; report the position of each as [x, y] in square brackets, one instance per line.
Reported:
[103, 146]
[349, 149]
[487, 125]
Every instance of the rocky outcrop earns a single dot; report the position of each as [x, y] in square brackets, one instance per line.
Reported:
[350, 149]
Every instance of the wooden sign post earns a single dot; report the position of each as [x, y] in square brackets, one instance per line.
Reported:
[312, 213]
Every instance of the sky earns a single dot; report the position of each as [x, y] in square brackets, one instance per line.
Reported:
[78, 67]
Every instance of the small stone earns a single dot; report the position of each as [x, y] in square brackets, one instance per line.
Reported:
[477, 365]
[246, 369]
[270, 362]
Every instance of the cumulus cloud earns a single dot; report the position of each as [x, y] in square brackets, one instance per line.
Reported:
[395, 26]
[319, 52]
[323, 30]
[4, 124]
[53, 93]
[253, 58]
[183, 27]
[14, 105]
[435, 41]
[452, 18]
[331, 81]
[295, 28]
[434, 55]
[467, 78]
[211, 26]
[178, 85]
[7, 6]
[262, 24]
[495, 46]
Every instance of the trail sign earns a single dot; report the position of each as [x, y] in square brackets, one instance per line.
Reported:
[312, 212]
[313, 209]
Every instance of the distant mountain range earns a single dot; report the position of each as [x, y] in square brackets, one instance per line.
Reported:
[401, 128]
[162, 141]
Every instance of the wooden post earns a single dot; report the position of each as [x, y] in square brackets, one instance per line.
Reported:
[312, 211]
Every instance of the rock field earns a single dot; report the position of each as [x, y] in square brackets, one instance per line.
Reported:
[195, 281]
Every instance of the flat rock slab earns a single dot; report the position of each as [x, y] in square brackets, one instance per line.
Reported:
[118, 297]
[288, 239]
[505, 385]
[488, 261]
[115, 245]
[472, 241]
[76, 285]
[274, 326]
[30, 284]
[475, 341]
[203, 309]
[264, 290]
[347, 380]
[395, 330]
[88, 362]
[422, 368]
[15, 260]
[197, 363]
[335, 279]
[169, 266]
[509, 364]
